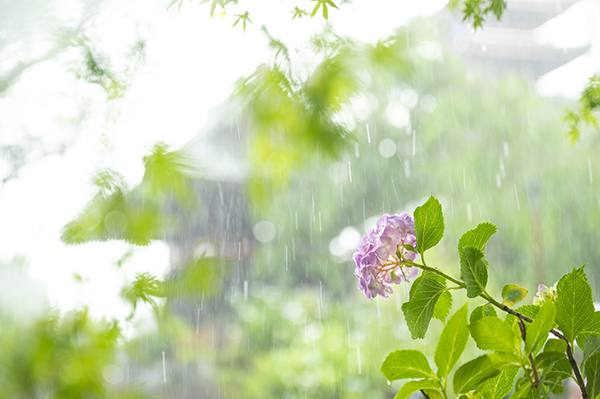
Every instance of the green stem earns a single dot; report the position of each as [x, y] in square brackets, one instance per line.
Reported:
[461, 284]
[444, 390]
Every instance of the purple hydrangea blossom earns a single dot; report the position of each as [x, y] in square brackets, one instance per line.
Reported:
[377, 264]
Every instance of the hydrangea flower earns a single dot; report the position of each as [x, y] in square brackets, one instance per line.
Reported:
[377, 264]
[545, 293]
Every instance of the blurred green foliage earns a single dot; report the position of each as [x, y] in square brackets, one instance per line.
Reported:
[95, 68]
[145, 288]
[139, 216]
[587, 113]
[301, 119]
[62, 357]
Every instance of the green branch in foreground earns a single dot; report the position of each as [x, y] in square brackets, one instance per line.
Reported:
[508, 310]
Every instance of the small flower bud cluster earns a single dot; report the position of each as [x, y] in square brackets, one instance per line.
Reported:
[544, 294]
[377, 262]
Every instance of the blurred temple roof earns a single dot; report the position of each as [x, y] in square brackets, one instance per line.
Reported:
[532, 37]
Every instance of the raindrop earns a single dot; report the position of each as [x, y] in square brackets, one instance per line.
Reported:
[264, 231]
[348, 325]
[517, 197]
[349, 237]
[320, 227]
[429, 50]
[590, 170]
[469, 212]
[397, 114]
[406, 169]
[350, 171]
[336, 248]
[115, 222]
[428, 103]
[410, 98]
[165, 366]
[112, 374]
[387, 148]
[319, 310]
[358, 356]
[498, 180]
[276, 162]
[338, 172]
[361, 107]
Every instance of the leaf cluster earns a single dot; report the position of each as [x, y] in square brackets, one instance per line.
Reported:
[476, 11]
[587, 113]
[520, 341]
[136, 217]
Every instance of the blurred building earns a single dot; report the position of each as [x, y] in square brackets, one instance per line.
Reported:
[519, 42]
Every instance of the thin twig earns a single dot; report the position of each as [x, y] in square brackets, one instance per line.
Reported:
[531, 361]
[558, 335]
[424, 394]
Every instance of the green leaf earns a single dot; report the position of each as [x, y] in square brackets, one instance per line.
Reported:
[591, 347]
[486, 310]
[242, 17]
[315, 10]
[331, 3]
[418, 311]
[554, 380]
[406, 364]
[452, 341]
[429, 224]
[473, 269]
[492, 333]
[477, 237]
[574, 304]
[540, 327]
[504, 360]
[555, 345]
[413, 386]
[298, 13]
[410, 248]
[522, 389]
[592, 374]
[545, 359]
[561, 370]
[593, 328]
[512, 293]
[443, 306]
[499, 386]
[472, 374]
